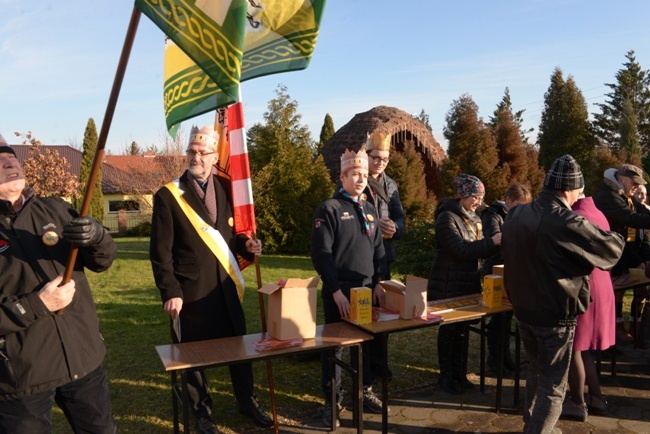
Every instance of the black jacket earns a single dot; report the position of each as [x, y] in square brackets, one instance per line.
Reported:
[492, 219]
[611, 201]
[385, 197]
[40, 350]
[341, 250]
[459, 248]
[548, 252]
[184, 266]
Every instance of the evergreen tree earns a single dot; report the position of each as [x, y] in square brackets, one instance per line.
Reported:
[516, 163]
[424, 118]
[632, 83]
[281, 127]
[472, 148]
[96, 209]
[417, 202]
[288, 184]
[326, 131]
[628, 138]
[133, 149]
[564, 128]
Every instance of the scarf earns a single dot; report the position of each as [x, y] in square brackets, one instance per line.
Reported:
[359, 204]
[207, 196]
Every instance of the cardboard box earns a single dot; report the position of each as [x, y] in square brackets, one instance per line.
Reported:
[409, 300]
[291, 308]
[492, 290]
[497, 270]
[361, 305]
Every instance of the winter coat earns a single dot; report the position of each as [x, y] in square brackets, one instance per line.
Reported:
[385, 197]
[548, 252]
[40, 350]
[492, 219]
[459, 248]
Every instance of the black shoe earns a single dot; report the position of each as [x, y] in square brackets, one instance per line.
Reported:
[327, 415]
[448, 384]
[463, 383]
[509, 364]
[205, 425]
[372, 403]
[255, 413]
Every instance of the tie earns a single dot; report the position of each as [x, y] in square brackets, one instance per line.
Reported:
[359, 204]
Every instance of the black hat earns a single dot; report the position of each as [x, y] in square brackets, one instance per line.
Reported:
[4, 147]
[632, 172]
[564, 175]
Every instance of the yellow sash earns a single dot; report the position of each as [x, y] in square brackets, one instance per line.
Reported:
[211, 237]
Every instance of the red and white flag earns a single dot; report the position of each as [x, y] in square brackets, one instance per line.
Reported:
[233, 165]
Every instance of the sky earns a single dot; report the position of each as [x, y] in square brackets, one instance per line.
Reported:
[58, 61]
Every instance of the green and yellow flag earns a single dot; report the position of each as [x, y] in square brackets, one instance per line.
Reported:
[278, 36]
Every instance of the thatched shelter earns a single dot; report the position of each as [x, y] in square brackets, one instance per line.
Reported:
[400, 125]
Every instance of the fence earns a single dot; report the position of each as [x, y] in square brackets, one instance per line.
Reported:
[119, 222]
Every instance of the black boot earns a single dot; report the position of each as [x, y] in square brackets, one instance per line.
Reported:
[459, 355]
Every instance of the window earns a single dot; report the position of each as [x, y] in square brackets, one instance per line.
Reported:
[127, 205]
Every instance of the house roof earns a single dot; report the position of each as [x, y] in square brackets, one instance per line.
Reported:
[115, 168]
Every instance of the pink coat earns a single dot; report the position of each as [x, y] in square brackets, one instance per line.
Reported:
[596, 328]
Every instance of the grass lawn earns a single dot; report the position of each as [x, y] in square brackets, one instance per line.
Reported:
[133, 323]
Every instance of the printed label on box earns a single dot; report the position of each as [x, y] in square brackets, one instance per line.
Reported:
[361, 305]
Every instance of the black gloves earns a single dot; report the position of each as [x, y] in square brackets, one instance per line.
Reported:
[83, 231]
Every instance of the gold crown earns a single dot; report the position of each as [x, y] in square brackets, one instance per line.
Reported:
[205, 136]
[378, 142]
[351, 159]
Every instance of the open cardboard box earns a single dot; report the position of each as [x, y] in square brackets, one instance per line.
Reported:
[409, 300]
[291, 308]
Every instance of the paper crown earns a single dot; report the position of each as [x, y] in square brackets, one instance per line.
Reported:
[378, 142]
[205, 136]
[351, 159]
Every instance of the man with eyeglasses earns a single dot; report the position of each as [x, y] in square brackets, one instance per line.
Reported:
[625, 215]
[193, 249]
[383, 194]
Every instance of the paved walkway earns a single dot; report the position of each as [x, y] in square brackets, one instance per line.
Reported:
[430, 410]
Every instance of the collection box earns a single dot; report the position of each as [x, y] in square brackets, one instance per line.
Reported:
[361, 305]
[409, 300]
[492, 290]
[291, 308]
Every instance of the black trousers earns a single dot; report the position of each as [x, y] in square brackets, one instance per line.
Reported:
[85, 402]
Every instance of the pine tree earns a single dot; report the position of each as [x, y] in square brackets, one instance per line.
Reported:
[326, 131]
[516, 164]
[632, 83]
[564, 128]
[424, 118]
[133, 149]
[288, 184]
[628, 138]
[96, 209]
[417, 202]
[281, 126]
[472, 148]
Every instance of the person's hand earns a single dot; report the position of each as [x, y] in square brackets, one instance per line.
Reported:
[83, 231]
[173, 307]
[496, 239]
[343, 303]
[56, 297]
[379, 295]
[388, 228]
[254, 246]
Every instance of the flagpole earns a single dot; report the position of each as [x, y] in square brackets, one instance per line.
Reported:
[101, 143]
[260, 296]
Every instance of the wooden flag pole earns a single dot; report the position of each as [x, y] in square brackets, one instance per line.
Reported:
[101, 142]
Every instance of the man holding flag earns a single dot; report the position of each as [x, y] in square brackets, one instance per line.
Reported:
[193, 255]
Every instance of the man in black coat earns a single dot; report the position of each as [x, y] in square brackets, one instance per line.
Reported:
[198, 278]
[45, 357]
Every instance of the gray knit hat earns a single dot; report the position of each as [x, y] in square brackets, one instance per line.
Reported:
[564, 175]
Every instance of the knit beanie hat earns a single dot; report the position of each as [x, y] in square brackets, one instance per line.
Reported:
[468, 185]
[564, 175]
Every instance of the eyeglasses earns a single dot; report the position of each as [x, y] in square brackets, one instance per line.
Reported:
[190, 153]
[378, 160]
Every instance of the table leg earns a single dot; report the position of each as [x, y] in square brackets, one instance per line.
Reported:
[502, 331]
[356, 362]
[174, 382]
[384, 382]
[186, 403]
[334, 391]
[483, 333]
[518, 363]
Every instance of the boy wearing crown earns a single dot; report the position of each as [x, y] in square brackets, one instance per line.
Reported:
[193, 247]
[347, 252]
